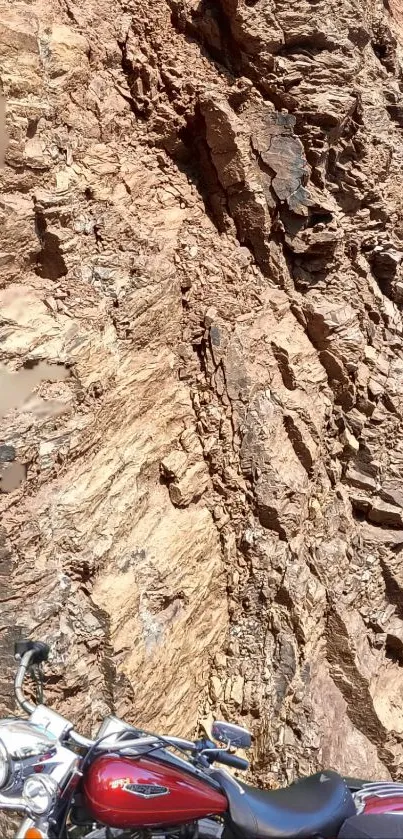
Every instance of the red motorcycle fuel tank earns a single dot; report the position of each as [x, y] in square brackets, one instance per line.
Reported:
[122, 792]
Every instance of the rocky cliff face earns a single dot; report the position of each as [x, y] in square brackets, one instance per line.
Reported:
[202, 383]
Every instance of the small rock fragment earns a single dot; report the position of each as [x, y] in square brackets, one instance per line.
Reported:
[7, 453]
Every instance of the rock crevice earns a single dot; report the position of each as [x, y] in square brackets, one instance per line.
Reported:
[202, 220]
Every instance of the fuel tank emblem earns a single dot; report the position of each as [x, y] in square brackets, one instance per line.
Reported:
[119, 783]
[146, 790]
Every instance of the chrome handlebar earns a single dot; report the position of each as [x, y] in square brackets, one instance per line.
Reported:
[131, 746]
[29, 707]
[79, 740]
[134, 745]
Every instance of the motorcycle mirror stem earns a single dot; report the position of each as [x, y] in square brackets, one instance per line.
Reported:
[25, 662]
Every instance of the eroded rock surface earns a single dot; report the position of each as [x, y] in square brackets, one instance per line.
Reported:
[202, 222]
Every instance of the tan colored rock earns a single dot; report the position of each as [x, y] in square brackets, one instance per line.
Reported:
[360, 478]
[186, 480]
[392, 492]
[350, 441]
[194, 482]
[342, 744]
[302, 441]
[213, 248]
[388, 514]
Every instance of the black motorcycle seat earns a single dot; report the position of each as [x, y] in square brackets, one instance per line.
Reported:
[313, 807]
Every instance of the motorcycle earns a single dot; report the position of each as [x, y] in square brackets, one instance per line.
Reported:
[130, 784]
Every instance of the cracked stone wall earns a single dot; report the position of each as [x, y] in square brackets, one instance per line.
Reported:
[201, 279]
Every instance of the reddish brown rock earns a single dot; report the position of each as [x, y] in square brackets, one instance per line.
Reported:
[202, 220]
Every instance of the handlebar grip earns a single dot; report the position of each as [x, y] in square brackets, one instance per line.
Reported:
[221, 756]
[39, 650]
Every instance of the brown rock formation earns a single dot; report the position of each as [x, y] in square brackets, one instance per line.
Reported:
[202, 223]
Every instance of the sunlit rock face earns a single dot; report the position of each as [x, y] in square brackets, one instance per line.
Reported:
[201, 368]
